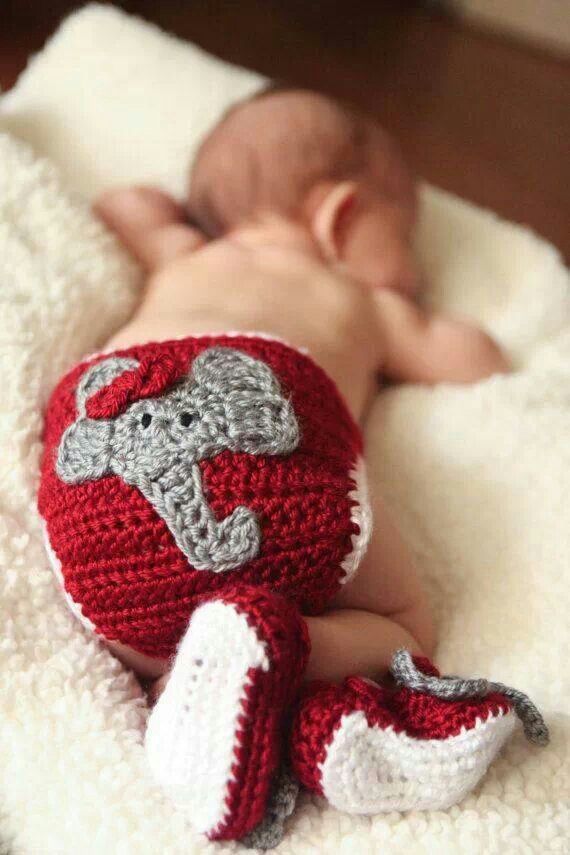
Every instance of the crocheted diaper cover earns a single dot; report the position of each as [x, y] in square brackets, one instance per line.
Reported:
[173, 470]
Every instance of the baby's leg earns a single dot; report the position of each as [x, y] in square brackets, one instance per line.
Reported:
[382, 609]
[351, 641]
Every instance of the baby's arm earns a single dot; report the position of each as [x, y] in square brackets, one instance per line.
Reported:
[425, 347]
[150, 224]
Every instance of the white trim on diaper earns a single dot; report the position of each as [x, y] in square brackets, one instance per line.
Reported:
[362, 516]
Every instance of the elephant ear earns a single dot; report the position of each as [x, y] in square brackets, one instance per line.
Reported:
[260, 418]
[85, 449]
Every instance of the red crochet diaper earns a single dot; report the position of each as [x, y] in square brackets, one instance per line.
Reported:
[173, 471]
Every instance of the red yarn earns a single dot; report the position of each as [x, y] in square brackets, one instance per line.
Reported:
[418, 714]
[426, 717]
[153, 377]
[319, 715]
[277, 622]
[119, 560]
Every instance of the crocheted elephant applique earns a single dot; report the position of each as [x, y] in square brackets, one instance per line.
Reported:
[227, 401]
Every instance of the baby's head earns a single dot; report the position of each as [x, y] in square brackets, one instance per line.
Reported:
[325, 166]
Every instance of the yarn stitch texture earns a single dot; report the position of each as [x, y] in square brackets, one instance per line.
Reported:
[228, 401]
[252, 482]
[421, 743]
[214, 738]
[417, 674]
[281, 804]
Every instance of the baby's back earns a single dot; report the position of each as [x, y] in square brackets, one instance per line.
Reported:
[231, 286]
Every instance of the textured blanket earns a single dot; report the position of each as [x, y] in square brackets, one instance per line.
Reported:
[479, 477]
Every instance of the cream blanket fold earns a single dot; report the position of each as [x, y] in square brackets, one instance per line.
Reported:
[478, 477]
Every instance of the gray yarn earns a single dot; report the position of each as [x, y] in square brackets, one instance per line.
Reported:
[270, 831]
[228, 401]
[454, 688]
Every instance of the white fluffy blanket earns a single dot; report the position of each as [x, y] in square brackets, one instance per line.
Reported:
[479, 477]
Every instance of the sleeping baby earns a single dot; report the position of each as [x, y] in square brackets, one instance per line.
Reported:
[204, 490]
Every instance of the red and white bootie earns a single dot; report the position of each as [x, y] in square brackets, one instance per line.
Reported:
[213, 739]
[421, 745]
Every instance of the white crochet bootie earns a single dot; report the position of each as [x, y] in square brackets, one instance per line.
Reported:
[423, 744]
[214, 738]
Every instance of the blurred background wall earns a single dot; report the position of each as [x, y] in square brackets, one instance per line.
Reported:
[478, 113]
[545, 23]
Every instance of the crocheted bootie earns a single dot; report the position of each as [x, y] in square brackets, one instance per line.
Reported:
[214, 737]
[370, 748]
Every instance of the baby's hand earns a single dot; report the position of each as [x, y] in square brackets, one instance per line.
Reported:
[424, 347]
[151, 224]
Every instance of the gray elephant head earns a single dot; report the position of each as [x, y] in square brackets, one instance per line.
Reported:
[228, 401]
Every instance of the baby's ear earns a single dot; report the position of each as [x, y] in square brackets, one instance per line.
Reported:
[329, 216]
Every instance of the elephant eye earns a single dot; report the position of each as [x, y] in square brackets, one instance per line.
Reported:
[186, 419]
[146, 419]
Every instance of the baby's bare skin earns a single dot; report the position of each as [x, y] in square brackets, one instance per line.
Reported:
[270, 277]
[267, 281]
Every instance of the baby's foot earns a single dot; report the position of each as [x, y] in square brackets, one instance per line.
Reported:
[370, 748]
[213, 739]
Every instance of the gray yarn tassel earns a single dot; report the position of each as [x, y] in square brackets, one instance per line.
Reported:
[406, 674]
[270, 831]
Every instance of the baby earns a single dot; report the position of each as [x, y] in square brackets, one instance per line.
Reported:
[298, 228]
[309, 208]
